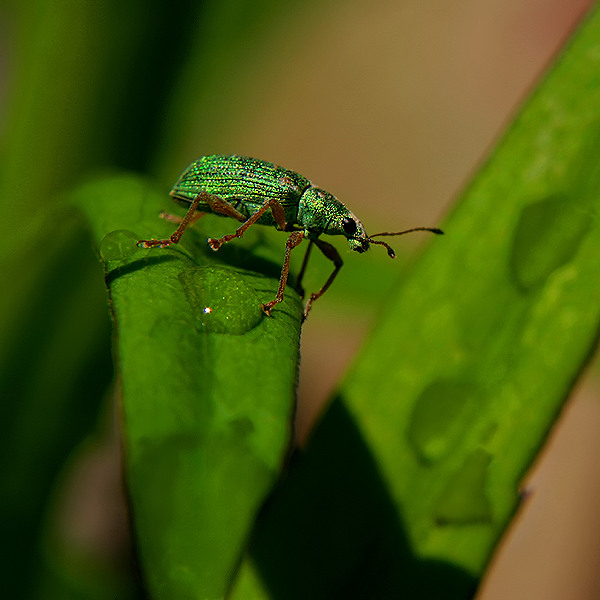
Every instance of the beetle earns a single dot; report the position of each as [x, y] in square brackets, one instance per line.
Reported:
[256, 191]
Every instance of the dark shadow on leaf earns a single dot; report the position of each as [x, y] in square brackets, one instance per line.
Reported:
[136, 265]
[232, 255]
[240, 257]
[244, 254]
[331, 530]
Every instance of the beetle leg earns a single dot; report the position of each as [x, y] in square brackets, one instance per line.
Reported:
[293, 240]
[223, 207]
[174, 238]
[278, 215]
[333, 255]
[303, 269]
[177, 219]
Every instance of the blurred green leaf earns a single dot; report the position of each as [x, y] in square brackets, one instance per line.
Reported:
[208, 386]
[421, 453]
[70, 70]
[54, 368]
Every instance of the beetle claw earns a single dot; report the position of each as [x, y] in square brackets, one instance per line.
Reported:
[267, 308]
[214, 244]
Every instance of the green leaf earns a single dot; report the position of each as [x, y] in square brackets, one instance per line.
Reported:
[413, 474]
[207, 383]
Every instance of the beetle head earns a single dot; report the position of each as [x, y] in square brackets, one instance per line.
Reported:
[355, 233]
[321, 212]
[347, 224]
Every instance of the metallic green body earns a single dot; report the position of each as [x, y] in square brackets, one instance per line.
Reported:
[247, 183]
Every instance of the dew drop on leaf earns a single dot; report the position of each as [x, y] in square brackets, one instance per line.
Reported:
[118, 245]
[547, 237]
[440, 417]
[222, 300]
[464, 500]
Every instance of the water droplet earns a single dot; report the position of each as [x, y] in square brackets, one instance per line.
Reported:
[118, 245]
[439, 418]
[222, 299]
[547, 236]
[464, 500]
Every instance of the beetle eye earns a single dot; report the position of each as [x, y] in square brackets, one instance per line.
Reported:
[349, 226]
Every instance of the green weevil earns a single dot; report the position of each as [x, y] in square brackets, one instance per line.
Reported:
[255, 191]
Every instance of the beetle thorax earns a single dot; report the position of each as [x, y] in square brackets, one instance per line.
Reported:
[318, 210]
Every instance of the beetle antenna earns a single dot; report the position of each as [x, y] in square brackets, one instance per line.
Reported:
[389, 249]
[432, 229]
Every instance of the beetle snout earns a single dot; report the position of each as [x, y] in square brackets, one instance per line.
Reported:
[362, 246]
